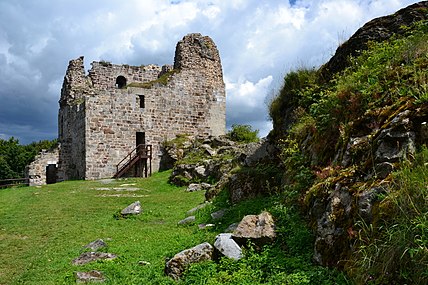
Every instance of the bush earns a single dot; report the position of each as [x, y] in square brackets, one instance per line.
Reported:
[243, 134]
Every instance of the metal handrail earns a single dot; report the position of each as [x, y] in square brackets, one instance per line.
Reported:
[141, 150]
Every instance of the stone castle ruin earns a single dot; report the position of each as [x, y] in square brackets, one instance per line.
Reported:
[105, 114]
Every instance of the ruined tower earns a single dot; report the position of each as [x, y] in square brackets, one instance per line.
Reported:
[103, 115]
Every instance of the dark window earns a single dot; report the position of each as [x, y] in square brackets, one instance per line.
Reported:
[141, 101]
[120, 82]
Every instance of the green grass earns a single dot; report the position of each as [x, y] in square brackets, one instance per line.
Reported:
[43, 229]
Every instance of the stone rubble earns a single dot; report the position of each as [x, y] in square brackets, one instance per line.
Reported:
[259, 229]
[225, 244]
[132, 209]
[87, 257]
[89, 277]
[176, 265]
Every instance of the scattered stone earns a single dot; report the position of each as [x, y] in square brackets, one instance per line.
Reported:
[106, 181]
[187, 221]
[128, 184]
[96, 245]
[198, 187]
[143, 263]
[117, 189]
[218, 214]
[123, 195]
[227, 246]
[197, 208]
[87, 257]
[208, 150]
[231, 228]
[260, 229]
[91, 276]
[201, 170]
[205, 226]
[133, 209]
[176, 265]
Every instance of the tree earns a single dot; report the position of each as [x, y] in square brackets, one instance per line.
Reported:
[243, 134]
[15, 157]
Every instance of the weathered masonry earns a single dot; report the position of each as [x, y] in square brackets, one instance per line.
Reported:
[105, 114]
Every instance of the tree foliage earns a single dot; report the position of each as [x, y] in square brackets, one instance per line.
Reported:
[14, 156]
[243, 134]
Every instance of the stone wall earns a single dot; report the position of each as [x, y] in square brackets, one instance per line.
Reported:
[72, 137]
[36, 170]
[99, 119]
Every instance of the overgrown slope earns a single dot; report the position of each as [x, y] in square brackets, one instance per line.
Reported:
[346, 145]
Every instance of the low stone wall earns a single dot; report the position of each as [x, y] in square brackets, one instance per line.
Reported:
[36, 171]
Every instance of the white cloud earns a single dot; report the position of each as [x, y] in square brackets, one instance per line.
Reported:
[258, 41]
[246, 102]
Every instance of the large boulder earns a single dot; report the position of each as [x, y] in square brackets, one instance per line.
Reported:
[227, 246]
[176, 265]
[259, 229]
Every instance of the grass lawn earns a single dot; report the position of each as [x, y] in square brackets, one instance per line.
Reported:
[42, 229]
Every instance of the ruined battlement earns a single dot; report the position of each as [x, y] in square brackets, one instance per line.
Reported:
[104, 114]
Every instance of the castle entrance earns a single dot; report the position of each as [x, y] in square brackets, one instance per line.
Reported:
[51, 172]
[140, 138]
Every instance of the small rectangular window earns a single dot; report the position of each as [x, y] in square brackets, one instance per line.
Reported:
[141, 101]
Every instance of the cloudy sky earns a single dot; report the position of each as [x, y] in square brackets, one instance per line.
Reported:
[259, 41]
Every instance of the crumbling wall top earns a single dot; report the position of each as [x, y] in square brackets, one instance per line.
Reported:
[195, 51]
[75, 81]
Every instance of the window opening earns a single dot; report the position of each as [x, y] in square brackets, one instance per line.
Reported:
[141, 101]
[120, 82]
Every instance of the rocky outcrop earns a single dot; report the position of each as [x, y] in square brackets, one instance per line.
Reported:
[365, 161]
[376, 30]
[213, 159]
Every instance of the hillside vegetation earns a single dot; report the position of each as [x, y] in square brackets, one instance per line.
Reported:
[354, 149]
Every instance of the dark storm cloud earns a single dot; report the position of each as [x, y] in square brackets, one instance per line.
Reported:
[258, 42]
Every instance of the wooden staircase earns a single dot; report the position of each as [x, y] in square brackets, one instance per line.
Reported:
[140, 158]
